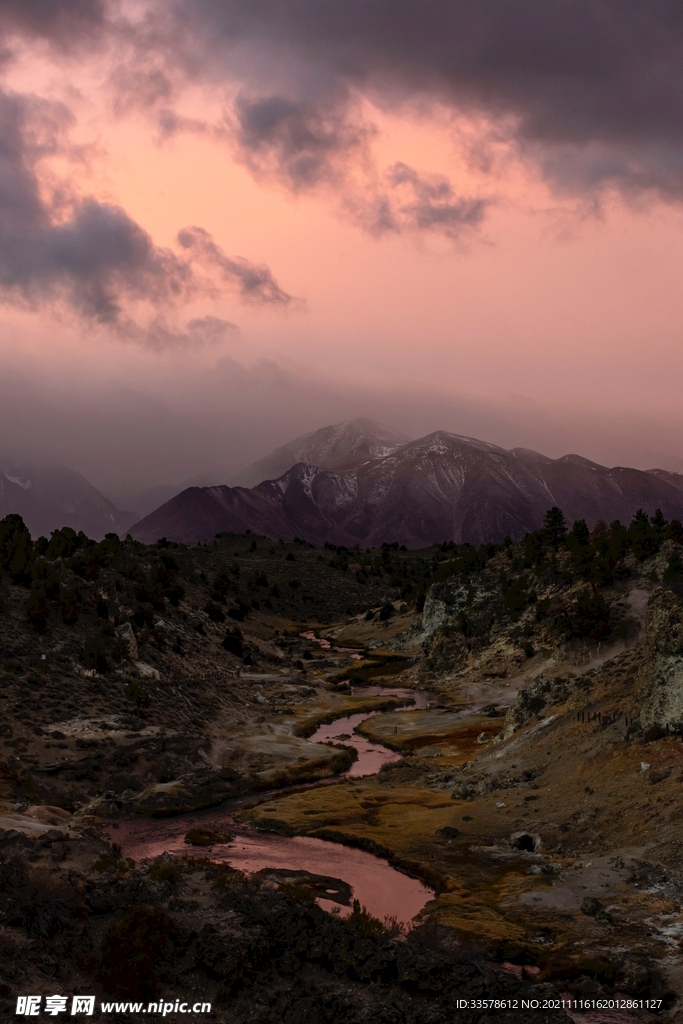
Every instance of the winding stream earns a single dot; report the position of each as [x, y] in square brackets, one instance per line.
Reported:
[385, 891]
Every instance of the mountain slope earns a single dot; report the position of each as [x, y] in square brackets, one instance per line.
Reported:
[334, 447]
[49, 497]
[440, 487]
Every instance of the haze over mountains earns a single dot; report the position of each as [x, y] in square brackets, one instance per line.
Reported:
[357, 482]
[350, 443]
[50, 497]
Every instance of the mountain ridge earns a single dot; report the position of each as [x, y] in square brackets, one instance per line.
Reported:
[329, 447]
[439, 487]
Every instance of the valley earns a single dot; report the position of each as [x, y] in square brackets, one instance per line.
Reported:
[487, 740]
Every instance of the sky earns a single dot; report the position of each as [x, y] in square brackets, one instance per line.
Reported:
[224, 223]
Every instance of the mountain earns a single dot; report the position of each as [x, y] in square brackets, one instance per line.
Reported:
[440, 487]
[50, 497]
[350, 443]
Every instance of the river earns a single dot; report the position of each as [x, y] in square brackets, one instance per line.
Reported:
[383, 890]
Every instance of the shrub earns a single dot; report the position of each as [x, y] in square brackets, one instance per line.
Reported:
[69, 605]
[239, 611]
[214, 611]
[205, 837]
[589, 616]
[37, 608]
[137, 695]
[232, 643]
[386, 611]
[165, 873]
[132, 950]
[94, 655]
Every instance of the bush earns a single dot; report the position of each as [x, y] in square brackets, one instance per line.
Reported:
[673, 574]
[239, 611]
[205, 837]
[69, 605]
[143, 615]
[94, 655]
[589, 616]
[132, 950]
[232, 643]
[165, 873]
[214, 611]
[137, 695]
[514, 594]
[37, 608]
[386, 611]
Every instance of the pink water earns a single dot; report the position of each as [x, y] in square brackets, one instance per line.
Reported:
[355, 652]
[384, 891]
[371, 756]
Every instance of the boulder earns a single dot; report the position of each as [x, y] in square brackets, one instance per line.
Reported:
[192, 792]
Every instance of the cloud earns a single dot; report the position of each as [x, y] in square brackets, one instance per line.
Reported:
[92, 254]
[159, 336]
[303, 142]
[428, 203]
[64, 23]
[256, 283]
[588, 91]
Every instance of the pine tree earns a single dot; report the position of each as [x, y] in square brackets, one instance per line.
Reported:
[554, 526]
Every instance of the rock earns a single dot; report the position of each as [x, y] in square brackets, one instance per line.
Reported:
[205, 837]
[659, 683]
[191, 792]
[449, 831]
[125, 633]
[590, 906]
[442, 601]
[146, 671]
[587, 987]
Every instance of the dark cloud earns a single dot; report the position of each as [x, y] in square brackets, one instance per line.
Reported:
[431, 203]
[304, 142]
[589, 89]
[93, 254]
[255, 282]
[64, 23]
[96, 255]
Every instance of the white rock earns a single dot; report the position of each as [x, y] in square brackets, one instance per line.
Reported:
[125, 633]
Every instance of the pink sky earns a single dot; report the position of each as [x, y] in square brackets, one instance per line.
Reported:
[553, 319]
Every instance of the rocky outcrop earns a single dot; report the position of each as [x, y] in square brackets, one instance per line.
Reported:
[192, 792]
[126, 635]
[442, 601]
[659, 684]
[532, 704]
